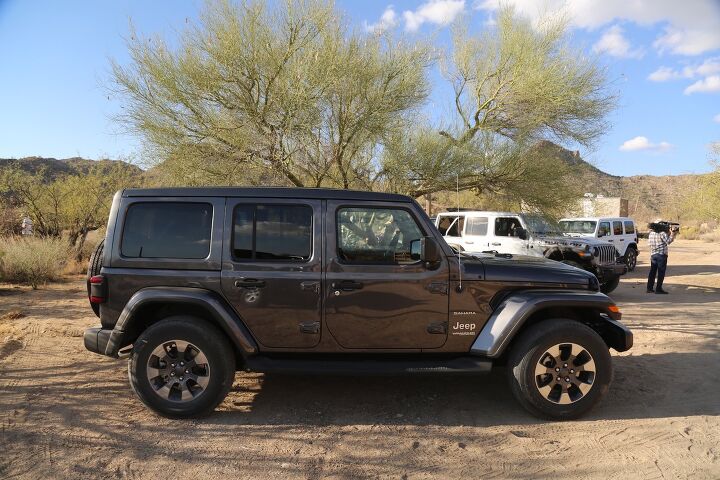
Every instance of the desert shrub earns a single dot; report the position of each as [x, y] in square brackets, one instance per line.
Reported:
[711, 237]
[34, 260]
[689, 233]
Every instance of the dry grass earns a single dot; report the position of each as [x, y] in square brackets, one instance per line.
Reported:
[33, 261]
[12, 315]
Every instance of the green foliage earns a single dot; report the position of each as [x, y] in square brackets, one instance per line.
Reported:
[33, 260]
[71, 204]
[260, 94]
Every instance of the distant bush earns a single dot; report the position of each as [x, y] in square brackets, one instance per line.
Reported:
[690, 233]
[34, 260]
[711, 237]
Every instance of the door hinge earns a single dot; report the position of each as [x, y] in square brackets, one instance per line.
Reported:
[310, 327]
[438, 287]
[438, 328]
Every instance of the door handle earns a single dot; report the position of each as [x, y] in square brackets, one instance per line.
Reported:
[622, 239]
[249, 283]
[310, 286]
[469, 242]
[496, 244]
[347, 285]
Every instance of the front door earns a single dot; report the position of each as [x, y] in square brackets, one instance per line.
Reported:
[376, 295]
[272, 269]
[505, 239]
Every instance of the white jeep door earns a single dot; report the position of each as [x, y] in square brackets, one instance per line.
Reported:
[503, 239]
[451, 227]
[475, 234]
[617, 237]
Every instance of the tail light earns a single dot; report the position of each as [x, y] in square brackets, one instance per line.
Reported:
[98, 290]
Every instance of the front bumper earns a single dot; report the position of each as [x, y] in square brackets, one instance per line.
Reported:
[612, 271]
[617, 335]
[96, 339]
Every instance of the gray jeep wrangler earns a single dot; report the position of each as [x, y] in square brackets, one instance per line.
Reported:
[192, 285]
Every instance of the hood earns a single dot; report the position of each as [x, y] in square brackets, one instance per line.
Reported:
[524, 269]
[570, 241]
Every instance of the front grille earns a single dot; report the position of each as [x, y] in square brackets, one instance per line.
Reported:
[607, 254]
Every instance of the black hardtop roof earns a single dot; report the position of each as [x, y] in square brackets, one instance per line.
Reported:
[266, 192]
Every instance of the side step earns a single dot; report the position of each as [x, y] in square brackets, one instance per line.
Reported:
[367, 367]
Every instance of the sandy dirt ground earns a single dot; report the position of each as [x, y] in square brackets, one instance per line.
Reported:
[68, 413]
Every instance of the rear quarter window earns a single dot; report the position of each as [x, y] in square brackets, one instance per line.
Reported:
[617, 228]
[629, 227]
[167, 230]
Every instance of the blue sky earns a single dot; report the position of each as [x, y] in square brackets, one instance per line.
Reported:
[663, 58]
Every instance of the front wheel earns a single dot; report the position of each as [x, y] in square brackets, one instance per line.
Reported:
[181, 367]
[559, 369]
[610, 285]
[631, 259]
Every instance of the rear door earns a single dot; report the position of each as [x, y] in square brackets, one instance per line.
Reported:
[272, 269]
[376, 296]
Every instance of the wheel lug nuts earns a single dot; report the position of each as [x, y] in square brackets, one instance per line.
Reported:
[572, 371]
[559, 379]
[187, 371]
[172, 374]
[557, 369]
[564, 365]
[172, 364]
[182, 364]
[181, 378]
[567, 379]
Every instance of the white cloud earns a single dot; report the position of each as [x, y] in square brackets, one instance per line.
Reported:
[716, 118]
[614, 43]
[440, 12]
[706, 85]
[690, 28]
[388, 20]
[709, 67]
[663, 74]
[643, 144]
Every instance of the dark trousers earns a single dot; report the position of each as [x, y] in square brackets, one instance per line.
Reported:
[658, 265]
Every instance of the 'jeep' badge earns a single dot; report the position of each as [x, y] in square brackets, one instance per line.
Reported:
[461, 328]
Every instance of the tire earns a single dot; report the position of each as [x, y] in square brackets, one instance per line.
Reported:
[610, 285]
[558, 335]
[631, 258]
[94, 267]
[208, 379]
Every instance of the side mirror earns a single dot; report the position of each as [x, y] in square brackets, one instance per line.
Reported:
[521, 233]
[425, 249]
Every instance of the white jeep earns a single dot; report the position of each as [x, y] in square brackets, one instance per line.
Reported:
[532, 235]
[620, 231]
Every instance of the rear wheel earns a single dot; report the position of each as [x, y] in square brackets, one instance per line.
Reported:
[631, 259]
[94, 267]
[182, 367]
[559, 369]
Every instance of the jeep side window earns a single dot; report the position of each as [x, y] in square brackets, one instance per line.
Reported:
[167, 230]
[604, 229]
[445, 223]
[629, 227]
[617, 228]
[371, 235]
[272, 232]
[477, 226]
[505, 226]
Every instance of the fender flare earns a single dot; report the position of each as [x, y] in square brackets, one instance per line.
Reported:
[509, 317]
[211, 302]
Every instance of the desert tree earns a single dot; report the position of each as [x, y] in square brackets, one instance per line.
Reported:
[514, 85]
[281, 93]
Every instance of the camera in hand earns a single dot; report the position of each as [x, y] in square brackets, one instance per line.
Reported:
[663, 226]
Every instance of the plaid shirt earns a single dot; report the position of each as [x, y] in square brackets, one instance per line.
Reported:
[659, 242]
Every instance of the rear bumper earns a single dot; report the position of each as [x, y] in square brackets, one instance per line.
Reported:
[96, 339]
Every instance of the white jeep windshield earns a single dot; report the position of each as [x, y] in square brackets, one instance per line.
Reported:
[578, 226]
[541, 225]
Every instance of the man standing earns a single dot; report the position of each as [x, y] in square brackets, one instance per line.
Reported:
[658, 240]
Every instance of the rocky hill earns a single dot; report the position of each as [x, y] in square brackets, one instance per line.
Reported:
[52, 168]
[648, 196]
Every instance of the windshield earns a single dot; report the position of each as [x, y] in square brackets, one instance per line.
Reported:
[578, 226]
[541, 225]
